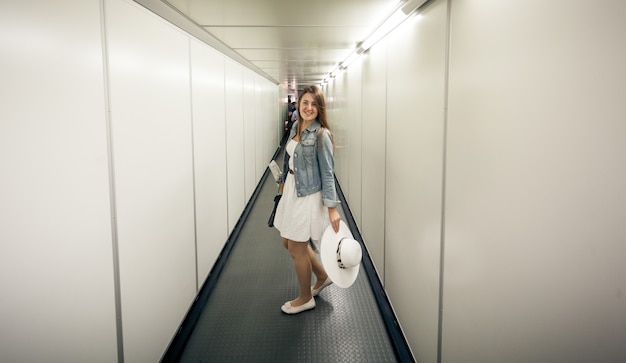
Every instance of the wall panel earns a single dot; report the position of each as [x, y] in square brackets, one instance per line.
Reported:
[271, 116]
[374, 128]
[414, 169]
[261, 134]
[235, 141]
[250, 123]
[536, 198]
[339, 123]
[352, 136]
[209, 131]
[152, 143]
[266, 110]
[56, 266]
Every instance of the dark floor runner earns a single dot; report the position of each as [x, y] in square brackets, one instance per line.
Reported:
[242, 320]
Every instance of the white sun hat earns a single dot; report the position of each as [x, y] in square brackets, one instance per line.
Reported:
[341, 255]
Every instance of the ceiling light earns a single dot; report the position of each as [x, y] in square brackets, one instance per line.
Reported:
[392, 21]
[333, 74]
[351, 58]
[412, 5]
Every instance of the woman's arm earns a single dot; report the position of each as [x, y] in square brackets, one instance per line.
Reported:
[335, 218]
[327, 176]
[327, 171]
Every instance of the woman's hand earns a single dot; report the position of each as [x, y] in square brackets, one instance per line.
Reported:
[335, 218]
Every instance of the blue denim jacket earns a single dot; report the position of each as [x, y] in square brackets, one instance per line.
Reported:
[313, 164]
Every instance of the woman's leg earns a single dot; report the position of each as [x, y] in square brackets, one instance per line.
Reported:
[302, 264]
[318, 269]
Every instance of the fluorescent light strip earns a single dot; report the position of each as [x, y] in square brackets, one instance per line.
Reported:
[412, 5]
[351, 58]
[391, 23]
[399, 15]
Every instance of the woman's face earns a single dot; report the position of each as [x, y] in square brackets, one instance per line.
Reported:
[308, 108]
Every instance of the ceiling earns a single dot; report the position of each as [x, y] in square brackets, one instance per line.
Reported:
[294, 43]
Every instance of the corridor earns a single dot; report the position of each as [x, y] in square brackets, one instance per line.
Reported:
[480, 150]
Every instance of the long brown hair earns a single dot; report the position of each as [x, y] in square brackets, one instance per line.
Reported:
[322, 117]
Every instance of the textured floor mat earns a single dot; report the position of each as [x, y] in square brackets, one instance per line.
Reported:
[242, 320]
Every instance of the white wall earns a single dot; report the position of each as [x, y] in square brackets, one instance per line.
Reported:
[352, 135]
[337, 113]
[536, 172]
[504, 159]
[150, 103]
[235, 150]
[209, 131]
[119, 136]
[373, 146]
[56, 272]
[249, 134]
[415, 130]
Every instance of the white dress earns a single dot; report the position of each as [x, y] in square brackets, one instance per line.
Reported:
[300, 218]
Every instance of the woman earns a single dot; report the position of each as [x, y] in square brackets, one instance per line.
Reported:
[309, 202]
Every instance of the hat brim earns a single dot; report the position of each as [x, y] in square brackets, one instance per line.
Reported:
[328, 252]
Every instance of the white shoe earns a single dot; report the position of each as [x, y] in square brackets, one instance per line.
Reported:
[287, 308]
[315, 292]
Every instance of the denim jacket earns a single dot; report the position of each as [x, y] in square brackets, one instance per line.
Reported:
[313, 164]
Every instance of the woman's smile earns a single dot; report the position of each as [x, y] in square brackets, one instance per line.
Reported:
[308, 107]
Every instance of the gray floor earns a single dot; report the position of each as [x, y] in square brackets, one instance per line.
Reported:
[242, 320]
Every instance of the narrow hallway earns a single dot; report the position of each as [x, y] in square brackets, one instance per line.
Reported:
[242, 321]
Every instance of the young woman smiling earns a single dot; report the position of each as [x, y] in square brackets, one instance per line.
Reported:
[309, 202]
